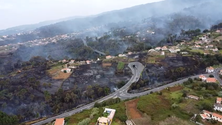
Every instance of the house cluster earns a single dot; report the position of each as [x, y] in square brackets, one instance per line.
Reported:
[211, 115]
[209, 79]
[70, 68]
[171, 49]
[119, 55]
[204, 43]
[206, 115]
[106, 120]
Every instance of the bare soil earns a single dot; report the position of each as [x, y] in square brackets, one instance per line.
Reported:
[175, 88]
[142, 121]
[131, 109]
[58, 74]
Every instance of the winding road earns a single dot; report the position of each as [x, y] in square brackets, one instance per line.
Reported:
[136, 68]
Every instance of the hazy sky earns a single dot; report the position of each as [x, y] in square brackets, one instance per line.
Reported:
[19, 12]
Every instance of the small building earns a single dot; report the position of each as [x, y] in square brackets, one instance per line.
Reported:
[130, 53]
[109, 57]
[184, 53]
[88, 62]
[215, 49]
[203, 78]
[219, 100]
[211, 80]
[122, 55]
[205, 115]
[174, 50]
[64, 61]
[220, 72]
[193, 97]
[218, 31]
[211, 115]
[162, 53]
[218, 107]
[164, 48]
[158, 48]
[106, 120]
[197, 46]
[72, 61]
[210, 69]
[66, 70]
[60, 121]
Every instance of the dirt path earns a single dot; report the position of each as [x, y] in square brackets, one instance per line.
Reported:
[131, 109]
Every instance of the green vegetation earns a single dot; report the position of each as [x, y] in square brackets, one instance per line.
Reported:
[197, 51]
[120, 66]
[80, 118]
[8, 119]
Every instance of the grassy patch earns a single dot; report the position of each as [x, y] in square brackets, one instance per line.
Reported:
[120, 65]
[119, 118]
[197, 51]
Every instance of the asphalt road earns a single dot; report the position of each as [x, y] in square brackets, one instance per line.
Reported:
[136, 68]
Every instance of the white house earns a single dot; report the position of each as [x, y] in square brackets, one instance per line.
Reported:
[109, 57]
[220, 72]
[162, 53]
[88, 62]
[218, 107]
[66, 70]
[174, 50]
[193, 97]
[164, 48]
[122, 55]
[158, 48]
[107, 120]
[184, 53]
[210, 69]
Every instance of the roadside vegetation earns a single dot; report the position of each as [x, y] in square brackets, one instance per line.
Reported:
[166, 107]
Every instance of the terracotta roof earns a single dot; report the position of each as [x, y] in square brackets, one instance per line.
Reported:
[219, 99]
[207, 112]
[210, 68]
[217, 115]
[59, 121]
[203, 116]
[213, 80]
[202, 76]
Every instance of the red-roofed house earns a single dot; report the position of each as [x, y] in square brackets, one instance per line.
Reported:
[211, 80]
[211, 115]
[218, 105]
[202, 77]
[60, 121]
[217, 117]
[210, 69]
